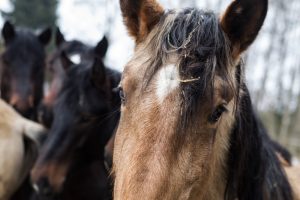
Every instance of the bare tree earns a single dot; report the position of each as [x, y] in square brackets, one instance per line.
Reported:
[287, 114]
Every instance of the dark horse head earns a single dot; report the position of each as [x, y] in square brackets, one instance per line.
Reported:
[56, 68]
[22, 66]
[86, 112]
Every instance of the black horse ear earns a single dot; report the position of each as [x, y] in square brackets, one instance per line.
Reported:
[242, 22]
[101, 48]
[140, 16]
[8, 32]
[98, 73]
[65, 61]
[59, 37]
[45, 36]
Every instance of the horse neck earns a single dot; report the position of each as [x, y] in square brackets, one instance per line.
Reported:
[93, 148]
[254, 171]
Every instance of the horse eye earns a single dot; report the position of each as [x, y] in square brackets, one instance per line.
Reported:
[216, 115]
[122, 95]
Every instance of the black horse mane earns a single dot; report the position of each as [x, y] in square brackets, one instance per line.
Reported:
[254, 169]
[76, 85]
[203, 52]
[82, 126]
[77, 76]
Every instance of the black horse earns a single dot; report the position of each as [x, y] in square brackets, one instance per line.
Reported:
[56, 68]
[22, 66]
[86, 112]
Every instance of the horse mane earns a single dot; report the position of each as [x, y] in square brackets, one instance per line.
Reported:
[195, 36]
[254, 171]
[77, 75]
[75, 83]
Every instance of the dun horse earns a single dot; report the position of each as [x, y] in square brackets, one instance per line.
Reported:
[57, 68]
[71, 164]
[187, 128]
[19, 142]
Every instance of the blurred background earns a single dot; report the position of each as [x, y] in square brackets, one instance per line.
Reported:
[272, 63]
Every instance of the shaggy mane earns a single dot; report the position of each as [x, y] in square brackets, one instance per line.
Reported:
[196, 38]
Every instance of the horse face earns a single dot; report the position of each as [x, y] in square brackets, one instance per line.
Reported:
[179, 95]
[83, 123]
[23, 68]
[57, 65]
[45, 108]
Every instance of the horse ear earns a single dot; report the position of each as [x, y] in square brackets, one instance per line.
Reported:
[59, 37]
[45, 36]
[101, 48]
[140, 16]
[242, 21]
[8, 32]
[65, 61]
[98, 72]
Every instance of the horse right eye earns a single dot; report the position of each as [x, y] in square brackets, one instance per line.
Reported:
[216, 115]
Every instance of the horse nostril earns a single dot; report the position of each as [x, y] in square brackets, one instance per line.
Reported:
[43, 187]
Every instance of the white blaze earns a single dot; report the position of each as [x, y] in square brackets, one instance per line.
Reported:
[76, 59]
[167, 81]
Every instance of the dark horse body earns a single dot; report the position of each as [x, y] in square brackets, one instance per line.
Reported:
[22, 66]
[71, 165]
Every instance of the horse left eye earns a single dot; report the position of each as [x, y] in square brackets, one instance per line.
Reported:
[216, 115]
[122, 95]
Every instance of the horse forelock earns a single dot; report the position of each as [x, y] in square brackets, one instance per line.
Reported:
[199, 52]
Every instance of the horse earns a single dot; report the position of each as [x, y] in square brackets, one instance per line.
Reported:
[22, 66]
[86, 112]
[56, 67]
[19, 143]
[187, 128]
